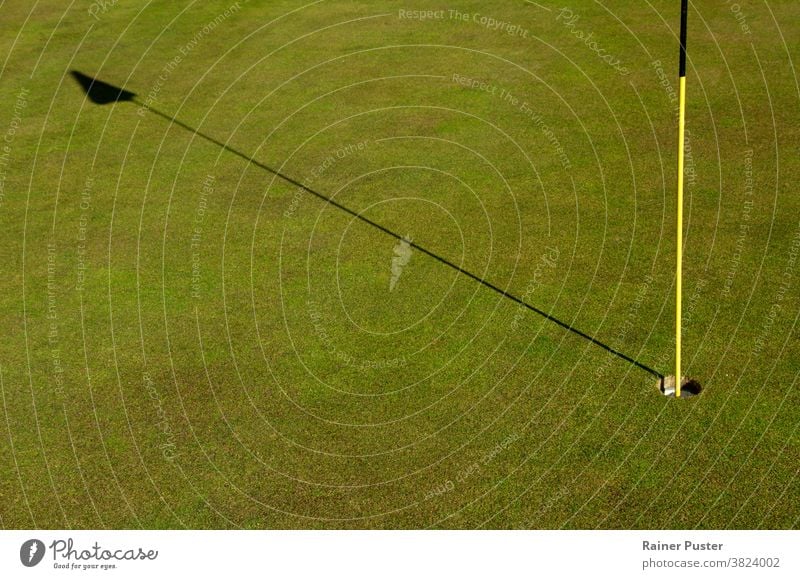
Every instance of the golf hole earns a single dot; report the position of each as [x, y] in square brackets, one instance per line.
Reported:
[689, 387]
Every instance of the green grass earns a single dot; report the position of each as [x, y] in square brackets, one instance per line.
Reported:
[266, 377]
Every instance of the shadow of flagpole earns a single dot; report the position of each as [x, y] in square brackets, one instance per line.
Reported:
[102, 93]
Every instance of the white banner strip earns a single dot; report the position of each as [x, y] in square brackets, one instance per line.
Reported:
[401, 554]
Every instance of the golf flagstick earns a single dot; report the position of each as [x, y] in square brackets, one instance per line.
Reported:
[103, 93]
[679, 236]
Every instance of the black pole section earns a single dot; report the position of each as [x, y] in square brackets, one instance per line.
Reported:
[684, 16]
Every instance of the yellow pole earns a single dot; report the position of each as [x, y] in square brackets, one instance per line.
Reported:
[679, 237]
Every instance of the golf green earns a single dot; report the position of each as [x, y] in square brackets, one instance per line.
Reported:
[375, 265]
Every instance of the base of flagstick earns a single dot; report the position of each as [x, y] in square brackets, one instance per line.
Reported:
[689, 387]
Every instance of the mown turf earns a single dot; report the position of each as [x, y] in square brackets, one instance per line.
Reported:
[190, 340]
